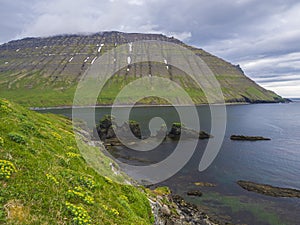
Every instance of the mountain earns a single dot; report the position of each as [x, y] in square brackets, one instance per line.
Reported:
[46, 71]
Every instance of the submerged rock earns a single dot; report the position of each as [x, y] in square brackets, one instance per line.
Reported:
[204, 184]
[249, 138]
[194, 193]
[269, 190]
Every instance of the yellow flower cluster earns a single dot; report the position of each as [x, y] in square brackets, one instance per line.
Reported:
[4, 107]
[108, 180]
[7, 168]
[51, 177]
[5, 101]
[80, 215]
[87, 182]
[115, 212]
[56, 135]
[48, 122]
[124, 198]
[82, 194]
[111, 211]
[73, 155]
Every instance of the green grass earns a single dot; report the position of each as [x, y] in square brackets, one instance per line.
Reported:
[52, 183]
[34, 90]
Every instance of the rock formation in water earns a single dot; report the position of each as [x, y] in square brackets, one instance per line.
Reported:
[248, 138]
[178, 130]
[269, 190]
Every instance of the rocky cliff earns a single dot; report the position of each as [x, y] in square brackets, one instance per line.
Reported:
[45, 71]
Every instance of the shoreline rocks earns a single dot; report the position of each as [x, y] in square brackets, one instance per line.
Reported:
[173, 209]
[269, 190]
[105, 130]
[248, 138]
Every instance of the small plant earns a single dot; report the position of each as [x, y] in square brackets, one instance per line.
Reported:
[1, 142]
[124, 198]
[52, 178]
[162, 191]
[28, 127]
[177, 124]
[18, 138]
[87, 182]
[80, 215]
[124, 201]
[7, 168]
[108, 180]
[133, 122]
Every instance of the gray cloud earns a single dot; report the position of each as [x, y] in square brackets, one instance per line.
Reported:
[262, 36]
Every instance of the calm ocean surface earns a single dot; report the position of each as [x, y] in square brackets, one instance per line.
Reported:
[275, 162]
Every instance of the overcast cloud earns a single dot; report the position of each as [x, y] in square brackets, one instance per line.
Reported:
[262, 36]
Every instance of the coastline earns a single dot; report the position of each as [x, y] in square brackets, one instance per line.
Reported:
[157, 105]
[139, 106]
[167, 208]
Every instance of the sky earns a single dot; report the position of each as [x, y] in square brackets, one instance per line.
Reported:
[262, 36]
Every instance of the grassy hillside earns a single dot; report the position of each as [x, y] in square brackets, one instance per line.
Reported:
[45, 180]
[45, 71]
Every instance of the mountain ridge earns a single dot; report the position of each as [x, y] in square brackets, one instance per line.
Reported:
[54, 65]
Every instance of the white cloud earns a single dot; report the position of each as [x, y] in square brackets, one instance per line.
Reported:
[136, 2]
[291, 60]
[289, 89]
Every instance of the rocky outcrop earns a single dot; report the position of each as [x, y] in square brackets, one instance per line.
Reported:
[269, 190]
[175, 210]
[107, 127]
[106, 130]
[248, 138]
[178, 130]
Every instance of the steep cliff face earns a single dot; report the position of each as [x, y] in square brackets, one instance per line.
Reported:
[45, 71]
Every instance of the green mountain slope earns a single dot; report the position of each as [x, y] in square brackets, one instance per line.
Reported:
[45, 180]
[45, 71]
